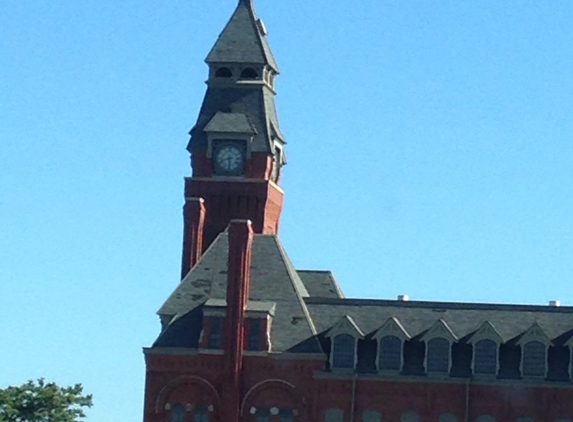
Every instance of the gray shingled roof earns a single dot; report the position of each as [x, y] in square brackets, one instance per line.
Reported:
[257, 103]
[273, 279]
[510, 321]
[320, 284]
[242, 40]
[230, 123]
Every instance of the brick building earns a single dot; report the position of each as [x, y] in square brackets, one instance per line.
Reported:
[246, 336]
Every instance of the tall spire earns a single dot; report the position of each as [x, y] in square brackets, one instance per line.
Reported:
[243, 40]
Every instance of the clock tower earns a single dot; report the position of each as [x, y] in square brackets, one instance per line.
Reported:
[236, 146]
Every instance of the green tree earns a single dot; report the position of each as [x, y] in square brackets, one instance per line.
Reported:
[43, 402]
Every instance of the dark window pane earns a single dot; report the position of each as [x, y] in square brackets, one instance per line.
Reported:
[485, 357]
[215, 336]
[201, 414]
[249, 73]
[263, 415]
[223, 72]
[534, 359]
[371, 416]
[343, 353]
[333, 415]
[390, 353]
[177, 413]
[409, 417]
[438, 355]
[254, 335]
[285, 415]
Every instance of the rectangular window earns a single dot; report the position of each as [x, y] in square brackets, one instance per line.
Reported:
[263, 415]
[390, 353]
[438, 355]
[534, 359]
[285, 415]
[201, 414]
[485, 357]
[215, 333]
[254, 334]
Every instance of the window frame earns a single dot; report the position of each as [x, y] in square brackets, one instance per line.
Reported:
[439, 329]
[212, 324]
[534, 333]
[250, 335]
[486, 332]
[391, 328]
[523, 360]
[347, 326]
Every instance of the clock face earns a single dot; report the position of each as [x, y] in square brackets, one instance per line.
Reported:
[229, 158]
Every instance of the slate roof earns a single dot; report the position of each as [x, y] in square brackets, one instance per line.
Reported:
[230, 123]
[242, 40]
[273, 279]
[256, 102]
[511, 321]
[320, 284]
[307, 304]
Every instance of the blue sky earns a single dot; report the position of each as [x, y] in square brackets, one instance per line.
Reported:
[430, 153]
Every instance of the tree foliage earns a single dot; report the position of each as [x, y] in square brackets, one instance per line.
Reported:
[43, 402]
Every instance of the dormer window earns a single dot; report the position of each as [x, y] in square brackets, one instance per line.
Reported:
[343, 336]
[223, 72]
[215, 333]
[343, 351]
[486, 341]
[249, 73]
[439, 339]
[254, 334]
[485, 357]
[391, 336]
[390, 355]
[438, 355]
[534, 359]
[534, 344]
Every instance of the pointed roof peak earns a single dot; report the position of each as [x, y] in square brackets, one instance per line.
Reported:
[243, 40]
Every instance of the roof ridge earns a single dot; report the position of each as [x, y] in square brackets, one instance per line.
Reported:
[292, 273]
[438, 305]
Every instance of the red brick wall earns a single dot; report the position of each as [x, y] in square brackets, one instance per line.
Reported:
[270, 382]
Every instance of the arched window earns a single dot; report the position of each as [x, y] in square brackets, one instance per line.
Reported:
[201, 414]
[448, 417]
[343, 351]
[333, 415]
[534, 359]
[371, 416]
[223, 72]
[177, 413]
[485, 357]
[390, 353]
[485, 418]
[249, 73]
[409, 417]
[438, 355]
